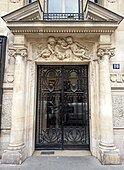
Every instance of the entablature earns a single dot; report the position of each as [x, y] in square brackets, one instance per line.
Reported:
[29, 19]
[62, 27]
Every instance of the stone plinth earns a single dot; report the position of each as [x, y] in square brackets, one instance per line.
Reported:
[13, 156]
[110, 157]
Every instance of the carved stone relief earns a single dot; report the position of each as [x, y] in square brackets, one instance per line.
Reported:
[118, 110]
[61, 49]
[6, 110]
[117, 79]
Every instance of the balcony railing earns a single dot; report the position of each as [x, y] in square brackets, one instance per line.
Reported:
[63, 16]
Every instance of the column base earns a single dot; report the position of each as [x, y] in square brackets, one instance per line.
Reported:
[13, 156]
[109, 156]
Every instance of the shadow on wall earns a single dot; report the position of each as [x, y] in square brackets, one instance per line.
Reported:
[2, 66]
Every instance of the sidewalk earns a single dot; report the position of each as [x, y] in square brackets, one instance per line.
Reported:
[61, 163]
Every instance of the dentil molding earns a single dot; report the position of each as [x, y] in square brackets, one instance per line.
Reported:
[63, 31]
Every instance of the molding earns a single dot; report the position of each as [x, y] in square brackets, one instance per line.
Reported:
[97, 12]
[62, 27]
[62, 31]
[33, 11]
[28, 11]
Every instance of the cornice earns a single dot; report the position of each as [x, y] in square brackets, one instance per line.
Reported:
[102, 12]
[63, 31]
[22, 12]
[62, 27]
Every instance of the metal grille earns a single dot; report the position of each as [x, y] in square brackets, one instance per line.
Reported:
[63, 16]
[62, 107]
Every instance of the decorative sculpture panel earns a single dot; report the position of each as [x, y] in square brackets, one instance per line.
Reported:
[62, 49]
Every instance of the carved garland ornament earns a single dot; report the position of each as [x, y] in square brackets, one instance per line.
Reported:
[63, 49]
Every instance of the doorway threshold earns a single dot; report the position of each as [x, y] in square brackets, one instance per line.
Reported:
[63, 153]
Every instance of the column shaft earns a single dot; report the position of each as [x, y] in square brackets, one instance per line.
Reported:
[106, 120]
[108, 152]
[16, 150]
[18, 107]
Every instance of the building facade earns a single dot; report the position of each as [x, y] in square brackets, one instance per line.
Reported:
[63, 78]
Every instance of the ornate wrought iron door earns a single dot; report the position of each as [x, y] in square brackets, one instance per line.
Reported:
[62, 119]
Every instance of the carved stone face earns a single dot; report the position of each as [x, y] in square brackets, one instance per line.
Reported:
[69, 40]
[51, 40]
[59, 41]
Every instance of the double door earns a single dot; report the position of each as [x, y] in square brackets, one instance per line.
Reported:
[62, 120]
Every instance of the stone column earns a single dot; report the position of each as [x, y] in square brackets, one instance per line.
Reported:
[16, 150]
[108, 152]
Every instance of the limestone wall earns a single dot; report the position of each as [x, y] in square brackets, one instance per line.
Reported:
[117, 76]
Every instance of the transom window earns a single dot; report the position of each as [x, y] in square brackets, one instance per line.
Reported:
[63, 6]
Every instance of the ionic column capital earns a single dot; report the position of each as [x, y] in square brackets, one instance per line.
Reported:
[101, 52]
[13, 52]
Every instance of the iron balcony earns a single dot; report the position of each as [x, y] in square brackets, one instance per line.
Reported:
[63, 16]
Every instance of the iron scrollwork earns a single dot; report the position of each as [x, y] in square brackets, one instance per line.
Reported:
[62, 109]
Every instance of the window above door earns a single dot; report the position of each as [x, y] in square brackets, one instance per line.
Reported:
[63, 10]
[63, 6]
